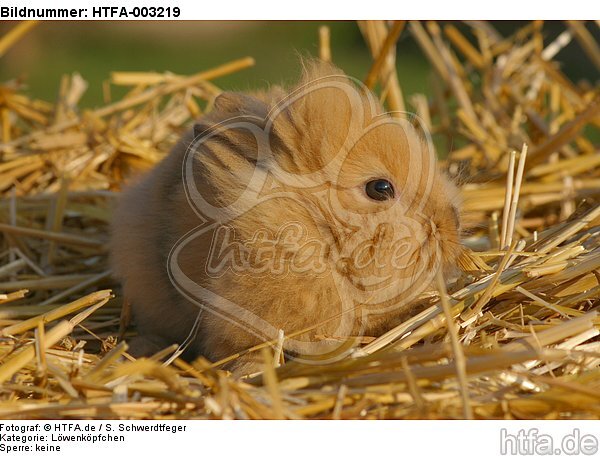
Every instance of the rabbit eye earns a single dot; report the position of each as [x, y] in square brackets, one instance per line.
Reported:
[380, 189]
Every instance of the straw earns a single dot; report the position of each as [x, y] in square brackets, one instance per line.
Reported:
[514, 202]
[8, 40]
[525, 287]
[324, 44]
[508, 199]
[459, 356]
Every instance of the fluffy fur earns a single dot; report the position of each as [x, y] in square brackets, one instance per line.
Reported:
[327, 138]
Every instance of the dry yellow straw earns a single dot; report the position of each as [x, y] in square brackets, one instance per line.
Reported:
[324, 44]
[376, 33]
[15, 362]
[487, 294]
[515, 196]
[555, 334]
[508, 198]
[40, 337]
[424, 41]
[390, 41]
[87, 301]
[61, 238]
[149, 94]
[587, 41]
[464, 46]
[270, 379]
[541, 295]
[459, 356]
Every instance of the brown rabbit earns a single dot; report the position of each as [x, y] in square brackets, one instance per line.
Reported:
[309, 211]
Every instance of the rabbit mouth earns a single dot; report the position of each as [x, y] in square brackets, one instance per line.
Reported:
[446, 248]
[392, 265]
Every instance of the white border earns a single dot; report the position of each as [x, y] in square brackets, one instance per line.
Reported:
[304, 438]
[347, 10]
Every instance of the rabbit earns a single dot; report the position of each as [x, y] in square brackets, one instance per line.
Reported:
[308, 213]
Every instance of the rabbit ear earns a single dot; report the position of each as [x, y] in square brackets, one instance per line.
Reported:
[229, 105]
[225, 162]
[239, 103]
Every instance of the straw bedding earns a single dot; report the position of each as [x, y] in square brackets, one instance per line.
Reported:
[515, 337]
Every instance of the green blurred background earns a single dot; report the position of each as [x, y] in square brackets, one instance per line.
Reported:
[94, 49]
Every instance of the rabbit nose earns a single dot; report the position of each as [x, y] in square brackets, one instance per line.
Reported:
[434, 227]
[433, 230]
[447, 221]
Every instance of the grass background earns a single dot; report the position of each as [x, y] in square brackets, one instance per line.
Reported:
[94, 49]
